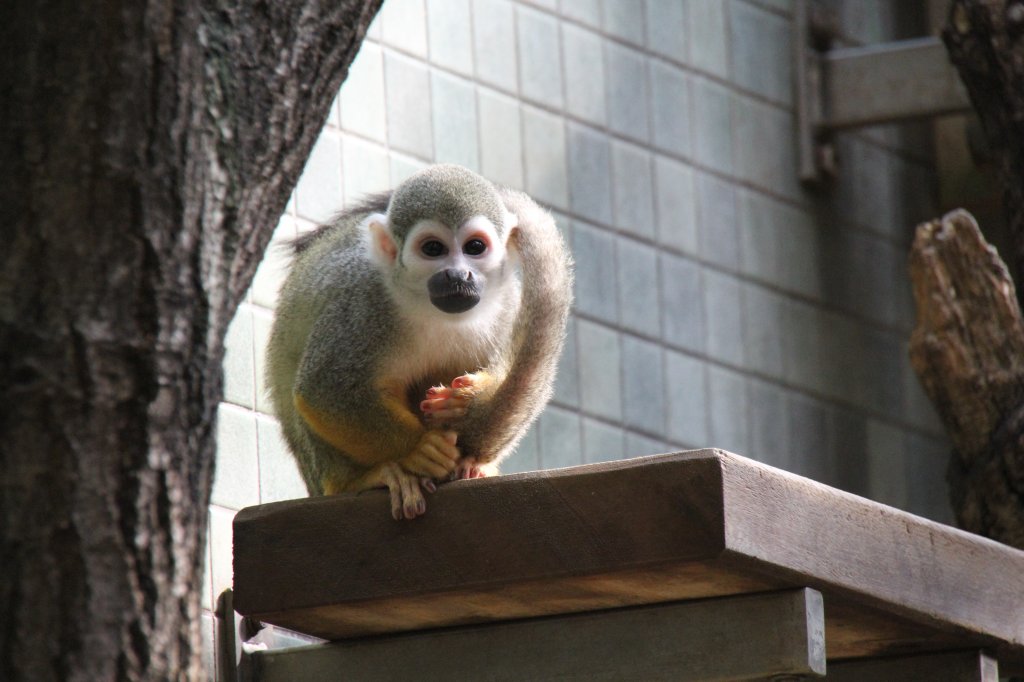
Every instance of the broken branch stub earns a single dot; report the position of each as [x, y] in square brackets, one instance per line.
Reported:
[968, 352]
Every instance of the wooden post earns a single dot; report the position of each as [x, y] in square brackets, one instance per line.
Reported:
[960, 666]
[733, 638]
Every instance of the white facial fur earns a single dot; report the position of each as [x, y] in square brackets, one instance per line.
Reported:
[406, 274]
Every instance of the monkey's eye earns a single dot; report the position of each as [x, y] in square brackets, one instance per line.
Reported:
[432, 248]
[474, 247]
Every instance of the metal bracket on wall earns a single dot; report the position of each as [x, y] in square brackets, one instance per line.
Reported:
[851, 87]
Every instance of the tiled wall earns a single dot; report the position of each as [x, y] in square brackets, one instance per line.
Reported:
[717, 302]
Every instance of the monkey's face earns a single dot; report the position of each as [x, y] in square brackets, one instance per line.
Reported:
[453, 267]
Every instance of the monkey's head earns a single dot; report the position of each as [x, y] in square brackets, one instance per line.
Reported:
[444, 239]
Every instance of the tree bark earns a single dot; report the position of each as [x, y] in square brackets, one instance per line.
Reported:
[968, 351]
[146, 153]
[985, 40]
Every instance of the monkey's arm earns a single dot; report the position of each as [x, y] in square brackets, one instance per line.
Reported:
[494, 425]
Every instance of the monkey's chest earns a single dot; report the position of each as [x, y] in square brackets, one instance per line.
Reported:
[433, 355]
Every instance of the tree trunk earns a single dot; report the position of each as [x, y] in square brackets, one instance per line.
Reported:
[968, 350]
[985, 40]
[147, 151]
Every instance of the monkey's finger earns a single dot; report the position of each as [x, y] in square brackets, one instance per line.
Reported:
[428, 485]
[445, 441]
[421, 465]
[447, 413]
[438, 456]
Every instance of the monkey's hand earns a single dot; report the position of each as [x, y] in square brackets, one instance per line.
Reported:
[446, 403]
[470, 467]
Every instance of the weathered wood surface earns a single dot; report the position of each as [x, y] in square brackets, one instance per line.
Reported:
[655, 529]
[968, 351]
[958, 666]
[733, 638]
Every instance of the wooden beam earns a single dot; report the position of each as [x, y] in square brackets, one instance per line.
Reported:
[959, 666]
[734, 638]
[650, 530]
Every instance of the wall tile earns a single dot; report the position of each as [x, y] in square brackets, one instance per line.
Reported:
[600, 357]
[623, 20]
[639, 299]
[318, 192]
[449, 28]
[723, 306]
[494, 43]
[590, 187]
[676, 205]
[273, 269]
[712, 117]
[367, 169]
[626, 86]
[810, 438]
[708, 34]
[682, 303]
[408, 95]
[220, 545]
[236, 482]
[527, 454]
[584, 74]
[560, 440]
[501, 156]
[670, 102]
[239, 363]
[804, 358]
[567, 382]
[540, 63]
[602, 442]
[456, 134]
[780, 244]
[262, 321]
[544, 148]
[887, 461]
[638, 445]
[687, 395]
[666, 29]
[403, 167]
[764, 330]
[633, 205]
[927, 492]
[765, 148]
[279, 473]
[361, 100]
[643, 385]
[769, 423]
[584, 11]
[404, 26]
[596, 280]
[761, 51]
[728, 411]
[719, 233]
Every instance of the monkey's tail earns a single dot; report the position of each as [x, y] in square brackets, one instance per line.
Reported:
[539, 333]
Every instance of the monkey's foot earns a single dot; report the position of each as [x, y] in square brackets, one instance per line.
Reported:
[444, 403]
[406, 489]
[469, 467]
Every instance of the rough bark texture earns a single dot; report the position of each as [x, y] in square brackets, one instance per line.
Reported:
[968, 350]
[985, 39]
[146, 152]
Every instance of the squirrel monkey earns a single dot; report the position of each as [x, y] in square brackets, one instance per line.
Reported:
[417, 336]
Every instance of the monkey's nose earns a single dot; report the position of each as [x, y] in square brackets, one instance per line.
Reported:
[457, 275]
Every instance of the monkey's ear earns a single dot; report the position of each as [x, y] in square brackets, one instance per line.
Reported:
[382, 245]
[511, 220]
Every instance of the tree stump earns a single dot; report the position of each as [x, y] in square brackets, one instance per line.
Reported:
[968, 351]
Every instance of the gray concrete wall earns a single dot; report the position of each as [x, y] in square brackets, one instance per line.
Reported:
[718, 303]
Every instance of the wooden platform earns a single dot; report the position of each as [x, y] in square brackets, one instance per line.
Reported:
[657, 529]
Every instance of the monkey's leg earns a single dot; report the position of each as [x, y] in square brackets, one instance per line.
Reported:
[406, 496]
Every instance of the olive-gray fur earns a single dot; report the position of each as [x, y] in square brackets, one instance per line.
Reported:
[336, 323]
